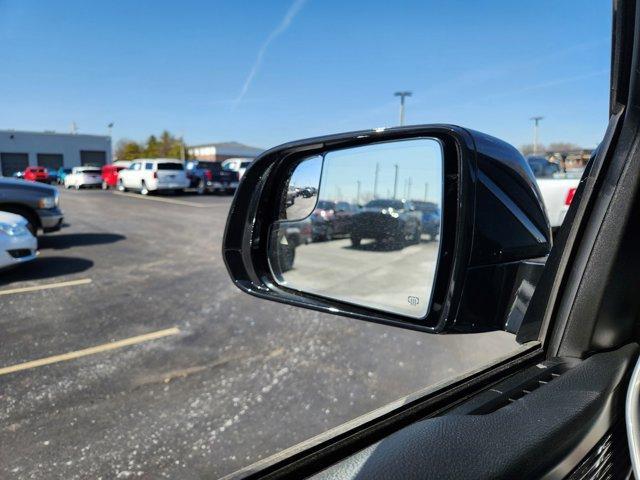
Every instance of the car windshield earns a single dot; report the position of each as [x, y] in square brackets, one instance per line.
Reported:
[127, 349]
[395, 204]
[170, 166]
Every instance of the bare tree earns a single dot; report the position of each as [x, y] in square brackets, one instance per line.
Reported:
[563, 147]
[527, 149]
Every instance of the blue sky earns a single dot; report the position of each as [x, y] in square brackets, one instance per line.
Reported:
[264, 73]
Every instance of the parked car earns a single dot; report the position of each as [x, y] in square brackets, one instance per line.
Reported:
[62, 174]
[199, 176]
[557, 188]
[386, 220]
[295, 234]
[53, 177]
[110, 174]
[37, 203]
[557, 195]
[36, 174]
[83, 177]
[542, 168]
[239, 165]
[211, 177]
[430, 218]
[17, 244]
[330, 219]
[153, 175]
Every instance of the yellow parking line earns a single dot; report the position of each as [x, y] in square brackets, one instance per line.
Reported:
[70, 283]
[165, 200]
[105, 347]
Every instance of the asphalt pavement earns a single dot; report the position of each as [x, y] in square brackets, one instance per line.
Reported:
[128, 353]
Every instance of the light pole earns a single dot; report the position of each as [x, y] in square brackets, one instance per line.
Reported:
[110, 128]
[536, 122]
[358, 192]
[402, 96]
[395, 182]
[182, 152]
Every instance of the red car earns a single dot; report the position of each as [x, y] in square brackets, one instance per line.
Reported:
[110, 175]
[36, 174]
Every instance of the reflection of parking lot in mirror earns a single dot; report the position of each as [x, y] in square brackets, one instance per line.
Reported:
[365, 240]
[380, 276]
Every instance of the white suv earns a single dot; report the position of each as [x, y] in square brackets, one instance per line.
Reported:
[83, 177]
[153, 174]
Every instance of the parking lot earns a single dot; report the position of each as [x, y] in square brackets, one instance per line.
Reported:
[128, 353]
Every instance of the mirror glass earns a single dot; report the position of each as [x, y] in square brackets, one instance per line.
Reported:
[362, 225]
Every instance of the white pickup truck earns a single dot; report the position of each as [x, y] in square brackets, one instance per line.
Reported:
[557, 194]
[557, 188]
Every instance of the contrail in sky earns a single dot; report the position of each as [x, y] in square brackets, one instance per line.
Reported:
[284, 24]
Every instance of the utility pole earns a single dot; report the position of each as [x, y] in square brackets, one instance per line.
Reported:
[536, 122]
[182, 152]
[110, 128]
[409, 181]
[358, 183]
[74, 128]
[395, 182]
[426, 190]
[375, 180]
[402, 96]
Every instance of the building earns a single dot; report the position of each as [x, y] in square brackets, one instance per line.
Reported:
[19, 150]
[218, 152]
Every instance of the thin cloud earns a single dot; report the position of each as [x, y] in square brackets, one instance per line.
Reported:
[284, 24]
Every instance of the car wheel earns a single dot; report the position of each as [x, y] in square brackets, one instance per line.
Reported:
[143, 188]
[355, 241]
[328, 234]
[286, 257]
[417, 235]
[201, 188]
[121, 187]
[32, 228]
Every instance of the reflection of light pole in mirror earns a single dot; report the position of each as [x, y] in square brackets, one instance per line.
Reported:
[402, 96]
[426, 190]
[375, 180]
[358, 183]
[395, 182]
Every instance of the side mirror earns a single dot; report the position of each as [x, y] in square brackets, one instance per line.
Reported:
[389, 267]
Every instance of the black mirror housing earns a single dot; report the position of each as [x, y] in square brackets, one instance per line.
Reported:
[494, 234]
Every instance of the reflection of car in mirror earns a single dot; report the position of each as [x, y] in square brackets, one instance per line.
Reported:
[289, 239]
[386, 220]
[430, 218]
[331, 218]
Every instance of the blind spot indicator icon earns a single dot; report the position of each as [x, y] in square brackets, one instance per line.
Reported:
[413, 300]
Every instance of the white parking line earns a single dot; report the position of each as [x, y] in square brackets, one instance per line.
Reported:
[35, 288]
[166, 200]
[90, 351]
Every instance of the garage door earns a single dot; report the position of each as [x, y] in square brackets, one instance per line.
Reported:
[51, 161]
[93, 158]
[13, 162]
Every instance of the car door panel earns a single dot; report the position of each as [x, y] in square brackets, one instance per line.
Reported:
[543, 434]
